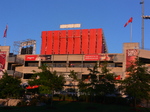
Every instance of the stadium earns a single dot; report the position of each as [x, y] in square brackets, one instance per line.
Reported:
[66, 50]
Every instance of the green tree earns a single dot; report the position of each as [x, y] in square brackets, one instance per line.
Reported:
[89, 88]
[10, 87]
[48, 81]
[73, 75]
[106, 80]
[137, 84]
[100, 83]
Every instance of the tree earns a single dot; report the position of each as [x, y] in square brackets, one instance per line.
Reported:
[73, 75]
[136, 85]
[100, 83]
[106, 80]
[89, 87]
[48, 81]
[10, 87]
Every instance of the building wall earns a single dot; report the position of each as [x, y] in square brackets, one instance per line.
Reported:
[83, 41]
[64, 63]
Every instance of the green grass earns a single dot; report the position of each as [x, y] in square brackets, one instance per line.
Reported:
[65, 106]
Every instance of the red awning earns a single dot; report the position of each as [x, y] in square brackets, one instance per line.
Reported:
[118, 77]
[32, 87]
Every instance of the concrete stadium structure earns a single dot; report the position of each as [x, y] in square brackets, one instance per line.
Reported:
[63, 61]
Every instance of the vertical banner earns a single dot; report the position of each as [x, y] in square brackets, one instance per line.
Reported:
[131, 55]
[2, 62]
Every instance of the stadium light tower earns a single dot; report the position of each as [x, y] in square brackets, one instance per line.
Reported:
[143, 17]
[146, 17]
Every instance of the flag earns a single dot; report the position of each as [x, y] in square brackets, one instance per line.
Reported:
[5, 31]
[129, 21]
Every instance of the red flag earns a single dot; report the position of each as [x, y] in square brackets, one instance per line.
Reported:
[129, 21]
[5, 31]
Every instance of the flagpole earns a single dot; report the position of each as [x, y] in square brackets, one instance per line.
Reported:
[5, 34]
[131, 32]
[5, 41]
[129, 21]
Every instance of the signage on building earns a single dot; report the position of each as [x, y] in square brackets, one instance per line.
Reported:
[31, 57]
[37, 57]
[101, 57]
[91, 57]
[70, 26]
[131, 55]
[44, 57]
[106, 57]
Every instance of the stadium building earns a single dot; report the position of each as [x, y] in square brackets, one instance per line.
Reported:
[66, 50]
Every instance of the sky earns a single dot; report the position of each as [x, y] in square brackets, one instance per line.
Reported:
[26, 19]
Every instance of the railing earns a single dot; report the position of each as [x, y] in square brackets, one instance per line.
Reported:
[16, 60]
[18, 74]
[14, 73]
[10, 72]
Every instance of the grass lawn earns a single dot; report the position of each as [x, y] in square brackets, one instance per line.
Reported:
[65, 106]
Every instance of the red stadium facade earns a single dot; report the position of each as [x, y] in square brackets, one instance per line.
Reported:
[82, 41]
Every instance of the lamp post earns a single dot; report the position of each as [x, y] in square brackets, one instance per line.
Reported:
[142, 2]
[143, 17]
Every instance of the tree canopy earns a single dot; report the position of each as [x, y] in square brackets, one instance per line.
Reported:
[136, 85]
[100, 82]
[10, 87]
[48, 81]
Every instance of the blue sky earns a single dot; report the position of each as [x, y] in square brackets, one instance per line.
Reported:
[26, 19]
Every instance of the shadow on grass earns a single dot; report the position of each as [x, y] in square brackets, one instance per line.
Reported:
[66, 106]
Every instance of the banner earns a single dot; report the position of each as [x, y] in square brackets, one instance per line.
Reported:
[2, 62]
[44, 57]
[37, 57]
[31, 57]
[106, 57]
[131, 55]
[101, 57]
[91, 57]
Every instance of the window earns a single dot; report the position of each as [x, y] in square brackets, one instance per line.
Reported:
[31, 63]
[27, 76]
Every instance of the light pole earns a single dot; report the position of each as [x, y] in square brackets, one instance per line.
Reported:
[142, 2]
[143, 17]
